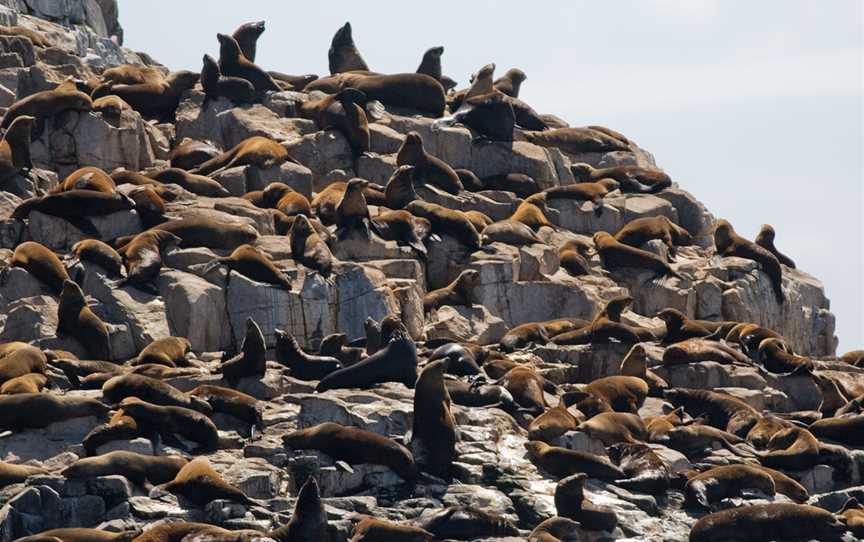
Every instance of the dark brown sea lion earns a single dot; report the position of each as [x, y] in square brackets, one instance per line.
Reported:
[729, 243]
[777, 358]
[765, 239]
[726, 481]
[46, 104]
[526, 385]
[309, 520]
[168, 351]
[853, 514]
[433, 434]
[190, 153]
[11, 473]
[81, 534]
[632, 179]
[457, 293]
[200, 484]
[553, 423]
[720, 410]
[15, 147]
[216, 85]
[399, 191]
[343, 111]
[616, 255]
[138, 468]
[404, 228]
[36, 410]
[646, 472]
[490, 113]
[562, 462]
[142, 257]
[343, 55]
[232, 402]
[354, 446]
[154, 99]
[774, 521]
[75, 206]
[447, 221]
[232, 63]
[427, 168]
[42, 263]
[256, 265]
[679, 327]
[410, 90]
[352, 212]
[696, 350]
[396, 362]
[76, 319]
[259, 151]
[846, 430]
[431, 63]
[95, 251]
[250, 361]
[791, 448]
[173, 420]
[511, 82]
[302, 365]
[556, 529]
[197, 184]
[573, 258]
[638, 232]
[606, 325]
[247, 36]
[466, 523]
[111, 107]
[308, 248]
[151, 390]
[575, 141]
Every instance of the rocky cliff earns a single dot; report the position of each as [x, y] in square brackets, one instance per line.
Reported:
[372, 278]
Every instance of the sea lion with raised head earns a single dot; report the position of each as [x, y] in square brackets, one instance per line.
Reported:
[765, 239]
[308, 248]
[457, 293]
[41, 263]
[433, 433]
[309, 519]
[303, 366]
[232, 63]
[399, 191]
[427, 168]
[343, 55]
[343, 111]
[632, 179]
[142, 257]
[75, 318]
[15, 147]
[729, 243]
[250, 361]
[396, 362]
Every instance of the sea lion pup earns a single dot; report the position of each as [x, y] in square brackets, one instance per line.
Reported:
[563, 462]
[142, 257]
[37, 410]
[399, 191]
[232, 63]
[720, 410]
[718, 483]
[848, 431]
[729, 243]
[352, 212]
[81, 534]
[615, 427]
[853, 513]
[232, 402]
[777, 358]
[646, 472]
[98, 252]
[11, 473]
[792, 448]
[343, 111]
[632, 179]
[46, 104]
[308, 248]
[254, 264]
[303, 366]
[575, 141]
[616, 255]
[369, 529]
[458, 293]
[447, 221]
[574, 259]
[427, 168]
[15, 147]
[556, 529]
[343, 55]
[259, 151]
[154, 99]
[553, 423]
[197, 184]
[151, 390]
[200, 484]
[200, 230]
[466, 523]
[638, 232]
[433, 434]
[765, 239]
[168, 351]
[250, 361]
[41, 263]
[138, 468]
[697, 350]
[354, 446]
[86, 178]
[77, 320]
[29, 383]
[173, 420]
[404, 228]
[773, 521]
[396, 362]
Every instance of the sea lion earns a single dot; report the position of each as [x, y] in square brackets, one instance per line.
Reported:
[375, 530]
[509, 232]
[563, 462]
[777, 358]
[556, 529]
[100, 253]
[396, 362]
[458, 293]
[138, 468]
[615, 427]
[86, 178]
[414, 91]
[531, 212]
[593, 192]
[343, 55]
[694, 440]
[846, 431]
[575, 141]
[151, 390]
[632, 179]
[157, 100]
[853, 513]
[343, 111]
[447, 221]
[15, 147]
[786, 485]
[29, 383]
[773, 521]
[679, 327]
[254, 264]
[197, 184]
[354, 446]
[750, 336]
[308, 248]
[37, 410]
[250, 361]
[232, 402]
[616, 255]
[792, 448]
[352, 212]
[466, 523]
[483, 90]
[201, 230]
[720, 410]
[539, 333]
[460, 360]
[767, 426]
[510, 82]
[573, 257]
[75, 206]
[726, 481]
[487, 112]
[232, 63]
[526, 385]
[621, 393]
[36, 38]
[76, 319]
[553, 423]
[605, 325]
[399, 191]
[131, 74]
[11, 473]
[259, 151]
[247, 36]
[80, 534]
[184, 530]
[173, 420]
[765, 239]
[729, 243]
[427, 168]
[303, 366]
[646, 472]
[853, 357]
[189, 154]
[638, 232]
[168, 351]
[309, 519]
[46, 104]
[697, 350]
[142, 257]
[41, 263]
[119, 427]
[404, 228]
[431, 63]
[433, 435]
[200, 484]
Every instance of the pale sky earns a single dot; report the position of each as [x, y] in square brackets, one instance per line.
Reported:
[754, 107]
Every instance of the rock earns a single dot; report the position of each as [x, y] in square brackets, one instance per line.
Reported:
[57, 233]
[473, 324]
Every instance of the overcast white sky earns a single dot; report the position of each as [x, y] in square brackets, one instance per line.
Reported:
[754, 107]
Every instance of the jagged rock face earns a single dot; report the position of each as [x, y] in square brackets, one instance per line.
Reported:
[210, 306]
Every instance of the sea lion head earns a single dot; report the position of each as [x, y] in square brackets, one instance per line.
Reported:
[252, 30]
[581, 171]
[602, 239]
[723, 233]
[343, 36]
[72, 294]
[767, 233]
[182, 80]
[516, 75]
[229, 49]
[78, 101]
[609, 184]
[413, 144]
[672, 317]
[274, 192]
[616, 306]
[635, 362]
[535, 448]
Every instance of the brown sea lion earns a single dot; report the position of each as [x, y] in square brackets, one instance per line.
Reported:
[615, 427]
[232, 63]
[254, 264]
[632, 179]
[375, 530]
[308, 248]
[29, 383]
[616, 255]
[526, 385]
[41, 263]
[309, 519]
[562, 462]
[679, 327]
[86, 178]
[773, 521]
[247, 36]
[697, 350]
[466, 523]
[111, 107]
[36, 410]
[15, 147]
[197, 184]
[352, 212]
[250, 361]
[354, 446]
[606, 325]
[189, 154]
[726, 481]
[399, 191]
[433, 434]
[138, 468]
[151, 390]
[539, 333]
[259, 151]
[846, 430]
[198, 482]
[646, 472]
[410, 90]
[21, 361]
[447, 221]
[427, 168]
[553, 423]
[729, 243]
[776, 356]
[853, 357]
[511, 82]
[303, 366]
[343, 111]
[786, 485]
[509, 232]
[404, 228]
[457, 293]
[621, 393]
[765, 239]
[76, 319]
[173, 420]
[592, 191]
[153, 99]
[638, 232]
[575, 141]
[201, 230]
[75, 206]
[142, 257]
[720, 410]
[343, 55]
[574, 258]
[556, 529]
[853, 514]
[11, 473]
[485, 110]
[168, 351]
[792, 448]
[531, 212]
[46, 104]
[81, 534]
[232, 402]
[396, 362]
[119, 427]
[95, 251]
[430, 64]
